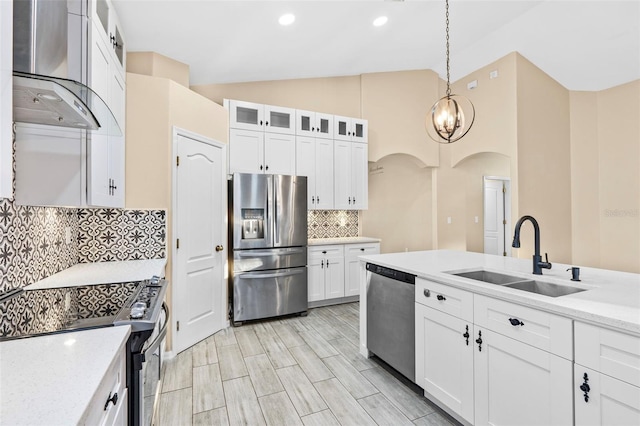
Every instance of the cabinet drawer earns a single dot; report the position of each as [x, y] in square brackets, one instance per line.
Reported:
[325, 251]
[450, 300]
[610, 352]
[543, 330]
[352, 250]
[114, 382]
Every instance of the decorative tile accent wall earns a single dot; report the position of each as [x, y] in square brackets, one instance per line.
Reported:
[33, 243]
[114, 234]
[332, 223]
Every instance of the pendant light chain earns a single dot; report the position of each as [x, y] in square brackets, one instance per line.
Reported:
[448, 86]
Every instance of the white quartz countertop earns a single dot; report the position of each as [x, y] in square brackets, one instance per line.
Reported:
[343, 240]
[612, 298]
[50, 380]
[102, 273]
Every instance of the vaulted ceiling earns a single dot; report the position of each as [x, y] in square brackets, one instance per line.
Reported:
[584, 45]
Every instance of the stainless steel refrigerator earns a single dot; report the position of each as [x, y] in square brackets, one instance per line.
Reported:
[268, 237]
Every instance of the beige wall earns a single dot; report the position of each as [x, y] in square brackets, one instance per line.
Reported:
[605, 173]
[544, 166]
[332, 95]
[396, 105]
[585, 177]
[151, 63]
[528, 127]
[154, 106]
[399, 204]
[460, 197]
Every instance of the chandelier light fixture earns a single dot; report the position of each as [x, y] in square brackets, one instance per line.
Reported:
[452, 116]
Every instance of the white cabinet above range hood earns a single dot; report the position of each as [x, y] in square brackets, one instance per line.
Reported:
[50, 62]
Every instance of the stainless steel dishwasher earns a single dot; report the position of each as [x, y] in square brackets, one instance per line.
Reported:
[391, 318]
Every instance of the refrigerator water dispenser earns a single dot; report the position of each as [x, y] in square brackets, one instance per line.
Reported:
[252, 224]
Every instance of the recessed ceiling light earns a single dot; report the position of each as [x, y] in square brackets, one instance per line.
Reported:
[287, 19]
[380, 21]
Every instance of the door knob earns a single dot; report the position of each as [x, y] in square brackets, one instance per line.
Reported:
[219, 248]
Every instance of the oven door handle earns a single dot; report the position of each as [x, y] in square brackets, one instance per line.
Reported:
[161, 334]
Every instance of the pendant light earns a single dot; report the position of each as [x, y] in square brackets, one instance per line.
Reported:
[452, 116]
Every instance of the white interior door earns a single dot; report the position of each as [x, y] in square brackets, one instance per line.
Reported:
[199, 296]
[497, 214]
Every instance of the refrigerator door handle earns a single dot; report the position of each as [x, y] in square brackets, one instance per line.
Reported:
[282, 273]
[272, 252]
[275, 211]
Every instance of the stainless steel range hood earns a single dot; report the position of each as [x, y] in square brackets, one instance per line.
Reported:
[50, 39]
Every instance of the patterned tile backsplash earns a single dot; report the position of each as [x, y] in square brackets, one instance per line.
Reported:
[114, 234]
[33, 243]
[33, 240]
[332, 223]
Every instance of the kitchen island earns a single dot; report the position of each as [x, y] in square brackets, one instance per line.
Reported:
[488, 353]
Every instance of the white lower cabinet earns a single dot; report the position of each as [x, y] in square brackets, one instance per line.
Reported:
[109, 404]
[517, 384]
[606, 376]
[444, 359]
[334, 270]
[326, 272]
[484, 373]
[352, 265]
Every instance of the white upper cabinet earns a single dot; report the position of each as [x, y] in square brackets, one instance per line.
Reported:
[314, 159]
[107, 24]
[259, 117]
[350, 176]
[259, 152]
[350, 129]
[6, 98]
[314, 124]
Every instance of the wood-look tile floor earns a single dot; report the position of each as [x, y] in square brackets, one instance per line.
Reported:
[292, 371]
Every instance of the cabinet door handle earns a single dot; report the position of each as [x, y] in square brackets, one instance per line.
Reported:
[441, 297]
[111, 399]
[362, 249]
[327, 263]
[313, 129]
[261, 122]
[322, 264]
[585, 387]
[266, 167]
[349, 200]
[427, 292]
[466, 335]
[260, 166]
[515, 322]
[317, 199]
[479, 341]
[354, 200]
[266, 123]
[313, 199]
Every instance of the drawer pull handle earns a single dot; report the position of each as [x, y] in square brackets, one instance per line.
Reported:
[427, 292]
[441, 297]
[466, 335]
[479, 341]
[113, 399]
[585, 387]
[515, 322]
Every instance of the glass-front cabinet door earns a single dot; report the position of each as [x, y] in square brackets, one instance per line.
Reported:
[245, 115]
[359, 130]
[341, 128]
[279, 120]
[315, 124]
[324, 126]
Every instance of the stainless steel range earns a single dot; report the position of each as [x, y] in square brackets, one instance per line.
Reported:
[31, 313]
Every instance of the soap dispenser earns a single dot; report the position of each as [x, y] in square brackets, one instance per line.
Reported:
[575, 273]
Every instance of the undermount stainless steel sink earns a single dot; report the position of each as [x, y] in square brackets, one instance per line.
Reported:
[519, 283]
[544, 288]
[489, 277]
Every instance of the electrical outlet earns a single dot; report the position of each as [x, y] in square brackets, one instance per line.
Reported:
[67, 235]
[449, 220]
[476, 219]
[472, 84]
[493, 74]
